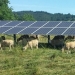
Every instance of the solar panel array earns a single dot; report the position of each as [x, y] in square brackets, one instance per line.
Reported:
[38, 27]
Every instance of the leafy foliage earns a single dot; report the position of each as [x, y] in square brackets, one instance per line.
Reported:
[27, 17]
[5, 11]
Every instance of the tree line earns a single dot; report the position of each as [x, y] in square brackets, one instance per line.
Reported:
[43, 16]
[6, 13]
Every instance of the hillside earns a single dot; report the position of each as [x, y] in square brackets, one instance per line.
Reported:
[45, 16]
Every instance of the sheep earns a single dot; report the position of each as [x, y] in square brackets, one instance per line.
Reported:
[58, 37]
[69, 38]
[3, 37]
[69, 45]
[57, 43]
[31, 44]
[22, 37]
[7, 43]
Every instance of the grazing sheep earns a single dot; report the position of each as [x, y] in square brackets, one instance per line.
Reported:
[69, 38]
[57, 43]
[69, 45]
[58, 37]
[7, 43]
[31, 44]
[3, 37]
[22, 37]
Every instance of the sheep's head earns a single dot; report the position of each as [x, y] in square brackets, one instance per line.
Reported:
[62, 49]
[25, 47]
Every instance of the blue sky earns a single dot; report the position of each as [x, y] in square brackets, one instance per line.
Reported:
[50, 6]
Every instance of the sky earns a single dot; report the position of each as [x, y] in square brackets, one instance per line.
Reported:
[50, 6]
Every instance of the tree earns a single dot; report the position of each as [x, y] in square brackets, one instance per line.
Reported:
[5, 11]
[28, 17]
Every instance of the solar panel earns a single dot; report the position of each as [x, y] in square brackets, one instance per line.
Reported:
[26, 27]
[3, 29]
[43, 31]
[26, 23]
[28, 31]
[38, 27]
[65, 24]
[13, 23]
[3, 23]
[73, 25]
[57, 31]
[15, 30]
[52, 24]
[13, 27]
[70, 31]
[39, 24]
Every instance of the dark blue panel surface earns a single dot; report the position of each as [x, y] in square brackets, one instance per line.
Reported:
[73, 25]
[39, 24]
[43, 31]
[26, 23]
[3, 22]
[3, 29]
[65, 24]
[52, 24]
[14, 27]
[28, 31]
[13, 23]
[57, 31]
[70, 31]
[14, 30]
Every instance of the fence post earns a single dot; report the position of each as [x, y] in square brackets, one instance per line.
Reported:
[14, 39]
[48, 40]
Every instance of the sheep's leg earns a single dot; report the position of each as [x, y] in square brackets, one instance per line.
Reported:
[36, 46]
[74, 49]
[54, 46]
[31, 46]
[12, 46]
[1, 48]
[62, 50]
[9, 47]
[68, 50]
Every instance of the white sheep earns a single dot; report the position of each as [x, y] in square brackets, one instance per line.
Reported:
[31, 44]
[7, 43]
[69, 45]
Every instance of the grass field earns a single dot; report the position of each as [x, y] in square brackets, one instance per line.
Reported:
[44, 61]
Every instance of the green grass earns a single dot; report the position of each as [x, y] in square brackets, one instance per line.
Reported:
[44, 61]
